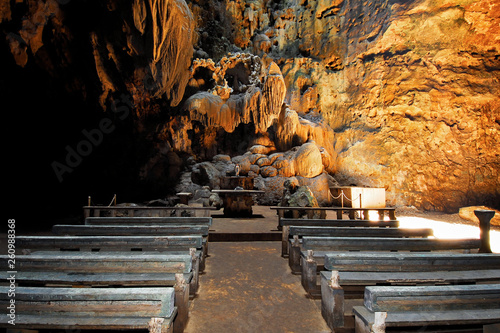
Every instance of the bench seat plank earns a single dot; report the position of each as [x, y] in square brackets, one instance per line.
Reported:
[435, 318]
[314, 231]
[109, 242]
[432, 298]
[104, 262]
[359, 232]
[410, 262]
[99, 308]
[75, 320]
[338, 223]
[452, 277]
[344, 244]
[429, 305]
[322, 246]
[98, 279]
[143, 220]
[120, 230]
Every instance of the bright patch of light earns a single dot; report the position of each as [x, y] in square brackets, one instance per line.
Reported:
[447, 230]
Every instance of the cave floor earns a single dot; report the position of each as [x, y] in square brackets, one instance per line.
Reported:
[247, 286]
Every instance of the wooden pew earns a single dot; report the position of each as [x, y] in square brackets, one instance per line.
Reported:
[89, 308]
[147, 220]
[296, 212]
[350, 272]
[429, 307]
[128, 230]
[131, 211]
[285, 223]
[136, 230]
[301, 231]
[152, 221]
[91, 269]
[109, 243]
[140, 244]
[315, 248]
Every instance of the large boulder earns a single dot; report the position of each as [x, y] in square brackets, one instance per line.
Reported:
[308, 160]
[206, 174]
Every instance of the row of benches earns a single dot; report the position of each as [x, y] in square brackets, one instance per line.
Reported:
[143, 211]
[373, 274]
[138, 273]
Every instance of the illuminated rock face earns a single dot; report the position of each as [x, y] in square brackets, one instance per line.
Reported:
[410, 90]
[397, 94]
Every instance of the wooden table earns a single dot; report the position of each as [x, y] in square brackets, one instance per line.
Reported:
[237, 203]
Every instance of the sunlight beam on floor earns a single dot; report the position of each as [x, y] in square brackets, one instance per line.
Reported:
[447, 230]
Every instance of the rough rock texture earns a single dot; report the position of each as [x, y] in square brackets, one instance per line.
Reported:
[411, 90]
[468, 214]
[142, 48]
[397, 94]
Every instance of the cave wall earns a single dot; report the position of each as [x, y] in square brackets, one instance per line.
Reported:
[410, 88]
[396, 94]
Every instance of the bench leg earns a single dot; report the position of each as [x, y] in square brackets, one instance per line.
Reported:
[285, 233]
[294, 256]
[193, 286]
[158, 325]
[182, 303]
[332, 303]
[309, 271]
[360, 326]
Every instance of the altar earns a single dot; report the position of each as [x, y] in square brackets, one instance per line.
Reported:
[237, 203]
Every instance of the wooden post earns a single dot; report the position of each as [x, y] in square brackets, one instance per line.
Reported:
[285, 233]
[484, 217]
[332, 301]
[381, 214]
[294, 255]
[196, 270]
[334, 280]
[379, 322]
[155, 325]
[87, 210]
[182, 302]
[309, 271]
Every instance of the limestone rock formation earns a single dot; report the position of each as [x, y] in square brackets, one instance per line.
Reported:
[403, 95]
[410, 89]
[468, 214]
[242, 91]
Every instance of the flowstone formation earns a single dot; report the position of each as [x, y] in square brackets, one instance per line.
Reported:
[396, 94]
[410, 89]
[243, 91]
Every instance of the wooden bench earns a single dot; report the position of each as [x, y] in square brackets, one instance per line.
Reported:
[297, 212]
[148, 220]
[135, 230]
[131, 211]
[297, 232]
[454, 307]
[90, 269]
[285, 223]
[315, 248]
[88, 308]
[164, 244]
[353, 271]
